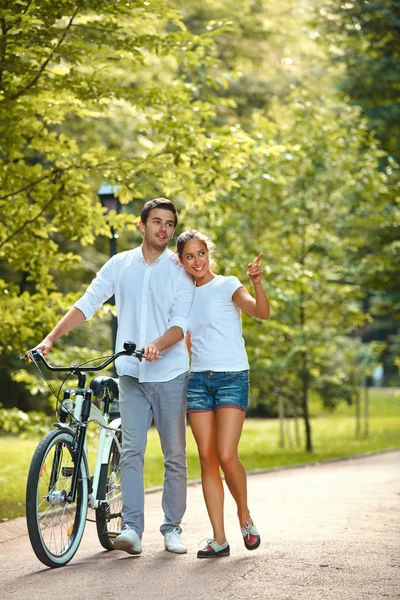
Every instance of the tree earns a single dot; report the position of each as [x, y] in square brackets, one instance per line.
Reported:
[364, 39]
[314, 166]
[241, 126]
[57, 69]
[67, 71]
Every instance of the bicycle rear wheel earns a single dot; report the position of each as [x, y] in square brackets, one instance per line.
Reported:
[55, 526]
[108, 515]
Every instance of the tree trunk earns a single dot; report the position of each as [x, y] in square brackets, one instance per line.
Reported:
[305, 386]
[281, 410]
[304, 405]
[296, 425]
[358, 414]
[288, 430]
[366, 411]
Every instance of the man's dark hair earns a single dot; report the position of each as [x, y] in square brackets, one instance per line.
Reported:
[158, 203]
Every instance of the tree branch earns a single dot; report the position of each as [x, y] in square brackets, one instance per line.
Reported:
[32, 184]
[3, 45]
[55, 175]
[45, 63]
[28, 222]
[27, 7]
[50, 175]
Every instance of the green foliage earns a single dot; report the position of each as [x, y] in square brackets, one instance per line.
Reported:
[364, 40]
[14, 420]
[68, 70]
[307, 198]
[351, 364]
[232, 111]
[364, 37]
[313, 166]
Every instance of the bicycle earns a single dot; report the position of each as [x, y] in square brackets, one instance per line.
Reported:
[60, 487]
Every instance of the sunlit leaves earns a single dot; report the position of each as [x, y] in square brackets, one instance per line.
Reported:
[93, 92]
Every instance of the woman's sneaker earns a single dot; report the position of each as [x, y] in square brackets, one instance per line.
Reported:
[251, 537]
[214, 550]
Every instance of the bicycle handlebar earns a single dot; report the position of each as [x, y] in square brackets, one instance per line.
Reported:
[129, 350]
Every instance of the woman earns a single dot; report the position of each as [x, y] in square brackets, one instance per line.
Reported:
[219, 383]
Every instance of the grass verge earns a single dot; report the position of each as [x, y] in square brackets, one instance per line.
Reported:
[333, 436]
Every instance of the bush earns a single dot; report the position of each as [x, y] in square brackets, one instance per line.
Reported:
[14, 420]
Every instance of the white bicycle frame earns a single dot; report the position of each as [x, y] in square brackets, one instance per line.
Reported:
[107, 434]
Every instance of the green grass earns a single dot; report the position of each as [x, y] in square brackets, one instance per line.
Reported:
[333, 437]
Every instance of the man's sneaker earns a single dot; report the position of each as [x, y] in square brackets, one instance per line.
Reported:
[129, 541]
[251, 537]
[173, 542]
[214, 550]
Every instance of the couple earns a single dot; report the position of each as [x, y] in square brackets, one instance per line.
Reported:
[158, 300]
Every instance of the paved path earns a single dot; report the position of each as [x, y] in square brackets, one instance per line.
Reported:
[329, 532]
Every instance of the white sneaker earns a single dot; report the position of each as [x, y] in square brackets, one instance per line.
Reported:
[173, 542]
[129, 541]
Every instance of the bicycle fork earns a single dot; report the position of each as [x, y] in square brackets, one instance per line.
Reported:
[80, 444]
[82, 407]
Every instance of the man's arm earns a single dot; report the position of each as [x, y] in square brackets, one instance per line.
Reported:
[171, 336]
[188, 341]
[178, 319]
[69, 321]
[101, 288]
[165, 341]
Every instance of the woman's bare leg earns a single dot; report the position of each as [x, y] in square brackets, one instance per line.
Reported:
[203, 426]
[229, 423]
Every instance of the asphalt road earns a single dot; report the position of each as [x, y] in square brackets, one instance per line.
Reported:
[330, 531]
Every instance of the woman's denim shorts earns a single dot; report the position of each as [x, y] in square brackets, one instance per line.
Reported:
[212, 390]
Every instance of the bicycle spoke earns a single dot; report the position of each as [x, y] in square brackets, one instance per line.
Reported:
[55, 525]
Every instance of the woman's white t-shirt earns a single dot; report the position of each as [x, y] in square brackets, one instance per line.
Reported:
[215, 327]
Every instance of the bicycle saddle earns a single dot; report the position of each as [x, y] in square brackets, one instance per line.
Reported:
[99, 385]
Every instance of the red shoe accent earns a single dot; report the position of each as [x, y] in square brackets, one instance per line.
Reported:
[251, 537]
[214, 550]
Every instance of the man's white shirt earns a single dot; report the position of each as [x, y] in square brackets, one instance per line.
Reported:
[149, 300]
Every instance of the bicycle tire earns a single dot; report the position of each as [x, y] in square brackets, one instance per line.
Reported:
[55, 526]
[110, 490]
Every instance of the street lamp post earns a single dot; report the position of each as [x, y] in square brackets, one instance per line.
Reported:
[110, 202]
[107, 197]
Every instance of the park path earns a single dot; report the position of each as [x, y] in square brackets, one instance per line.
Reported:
[329, 532]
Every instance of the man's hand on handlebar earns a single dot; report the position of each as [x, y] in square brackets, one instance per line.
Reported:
[45, 346]
[28, 355]
[150, 352]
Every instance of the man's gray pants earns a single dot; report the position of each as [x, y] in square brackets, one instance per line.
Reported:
[139, 403]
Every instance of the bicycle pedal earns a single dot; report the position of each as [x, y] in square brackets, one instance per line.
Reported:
[113, 534]
[67, 471]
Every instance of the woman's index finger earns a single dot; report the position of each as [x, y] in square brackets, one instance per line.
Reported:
[257, 261]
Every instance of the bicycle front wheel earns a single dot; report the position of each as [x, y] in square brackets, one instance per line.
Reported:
[55, 526]
[108, 515]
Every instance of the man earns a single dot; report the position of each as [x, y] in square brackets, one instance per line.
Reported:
[153, 296]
